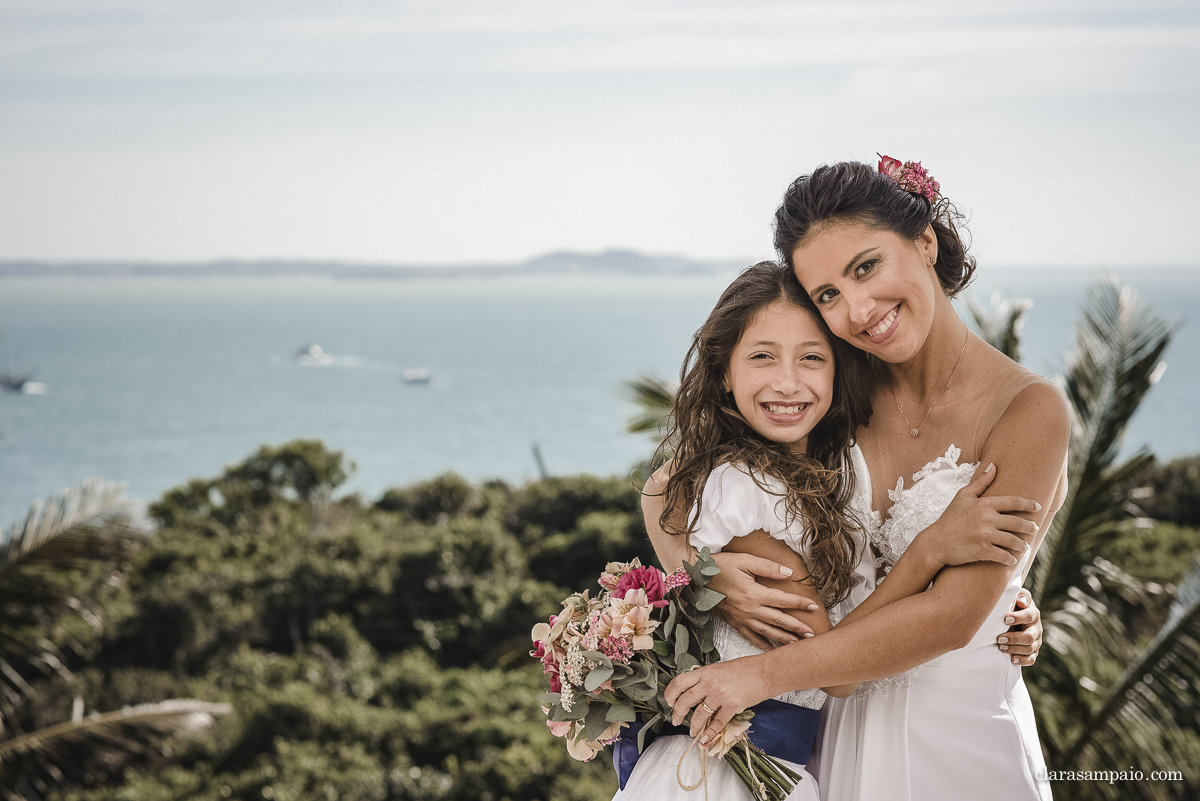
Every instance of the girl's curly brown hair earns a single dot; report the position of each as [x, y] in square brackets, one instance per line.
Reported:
[706, 430]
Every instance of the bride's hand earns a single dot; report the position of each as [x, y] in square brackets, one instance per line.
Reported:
[718, 692]
[979, 529]
[1023, 639]
[754, 610]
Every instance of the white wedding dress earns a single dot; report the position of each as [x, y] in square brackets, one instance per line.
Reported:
[733, 506]
[959, 726]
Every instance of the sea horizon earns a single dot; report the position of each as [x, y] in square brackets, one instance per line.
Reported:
[157, 381]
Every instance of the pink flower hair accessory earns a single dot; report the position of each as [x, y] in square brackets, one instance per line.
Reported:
[911, 177]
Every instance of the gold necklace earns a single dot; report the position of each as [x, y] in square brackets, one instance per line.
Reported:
[914, 429]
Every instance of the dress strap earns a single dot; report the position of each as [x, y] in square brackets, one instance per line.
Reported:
[1002, 397]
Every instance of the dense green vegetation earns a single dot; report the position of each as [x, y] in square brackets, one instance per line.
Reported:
[372, 651]
[369, 651]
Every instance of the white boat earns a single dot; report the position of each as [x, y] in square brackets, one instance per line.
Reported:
[312, 355]
[416, 375]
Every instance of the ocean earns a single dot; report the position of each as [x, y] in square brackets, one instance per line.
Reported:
[154, 381]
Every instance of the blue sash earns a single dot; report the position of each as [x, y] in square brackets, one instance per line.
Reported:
[784, 731]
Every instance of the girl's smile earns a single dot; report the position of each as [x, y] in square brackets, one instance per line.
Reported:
[781, 374]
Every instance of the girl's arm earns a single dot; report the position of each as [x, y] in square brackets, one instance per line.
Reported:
[1031, 439]
[755, 611]
[762, 544]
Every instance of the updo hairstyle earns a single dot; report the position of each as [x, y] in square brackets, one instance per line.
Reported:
[858, 193]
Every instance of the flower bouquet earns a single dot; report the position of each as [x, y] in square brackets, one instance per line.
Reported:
[611, 657]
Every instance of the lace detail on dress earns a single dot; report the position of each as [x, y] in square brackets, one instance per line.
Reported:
[913, 510]
[732, 645]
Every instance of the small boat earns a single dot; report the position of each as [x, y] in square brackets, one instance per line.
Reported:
[416, 375]
[313, 355]
[11, 382]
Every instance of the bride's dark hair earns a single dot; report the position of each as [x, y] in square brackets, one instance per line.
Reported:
[853, 192]
[706, 430]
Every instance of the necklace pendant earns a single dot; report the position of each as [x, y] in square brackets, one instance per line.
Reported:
[914, 432]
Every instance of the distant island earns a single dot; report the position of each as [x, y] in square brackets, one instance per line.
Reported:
[609, 262]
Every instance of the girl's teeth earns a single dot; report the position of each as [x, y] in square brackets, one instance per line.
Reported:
[785, 409]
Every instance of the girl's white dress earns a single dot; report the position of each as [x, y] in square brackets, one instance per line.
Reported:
[959, 726]
[732, 505]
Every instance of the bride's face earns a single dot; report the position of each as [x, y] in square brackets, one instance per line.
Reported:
[876, 290]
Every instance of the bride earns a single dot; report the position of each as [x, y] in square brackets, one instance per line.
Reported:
[941, 715]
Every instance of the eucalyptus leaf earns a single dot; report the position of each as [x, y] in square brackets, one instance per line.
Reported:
[710, 570]
[578, 711]
[621, 713]
[599, 658]
[650, 724]
[597, 677]
[641, 692]
[596, 721]
[682, 640]
[662, 647]
[550, 699]
[672, 614]
[706, 599]
[686, 662]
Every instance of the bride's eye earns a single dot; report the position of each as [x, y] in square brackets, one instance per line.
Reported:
[864, 268]
[826, 296]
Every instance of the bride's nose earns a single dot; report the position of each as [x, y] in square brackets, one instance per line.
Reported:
[861, 306]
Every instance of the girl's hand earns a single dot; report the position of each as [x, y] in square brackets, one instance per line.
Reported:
[718, 692]
[754, 610]
[978, 529]
[1023, 639]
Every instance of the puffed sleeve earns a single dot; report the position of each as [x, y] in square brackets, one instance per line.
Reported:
[733, 505]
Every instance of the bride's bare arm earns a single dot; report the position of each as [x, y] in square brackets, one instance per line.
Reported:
[1031, 440]
[972, 529]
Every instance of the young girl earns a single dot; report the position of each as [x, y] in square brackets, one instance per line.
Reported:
[763, 457]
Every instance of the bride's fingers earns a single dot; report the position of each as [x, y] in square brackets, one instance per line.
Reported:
[679, 685]
[778, 599]
[700, 718]
[759, 641]
[716, 723]
[1013, 503]
[691, 697]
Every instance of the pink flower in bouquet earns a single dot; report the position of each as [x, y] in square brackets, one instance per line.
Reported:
[679, 578]
[613, 572]
[559, 728]
[555, 682]
[616, 649]
[631, 619]
[650, 579]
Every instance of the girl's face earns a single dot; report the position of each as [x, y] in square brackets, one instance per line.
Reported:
[781, 374]
[876, 290]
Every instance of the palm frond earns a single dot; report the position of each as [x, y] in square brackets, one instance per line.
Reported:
[1000, 324]
[1146, 711]
[654, 397]
[96, 512]
[1117, 358]
[33, 764]
[82, 529]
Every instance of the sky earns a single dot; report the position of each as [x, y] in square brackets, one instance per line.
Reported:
[460, 131]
